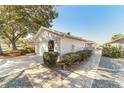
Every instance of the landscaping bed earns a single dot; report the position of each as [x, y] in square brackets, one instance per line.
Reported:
[68, 60]
[10, 54]
[14, 53]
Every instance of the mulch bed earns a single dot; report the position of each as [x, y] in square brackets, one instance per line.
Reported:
[11, 54]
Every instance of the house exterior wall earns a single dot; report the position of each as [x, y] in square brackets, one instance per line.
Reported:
[62, 44]
[71, 45]
[41, 43]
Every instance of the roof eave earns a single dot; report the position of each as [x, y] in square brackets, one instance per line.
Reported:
[59, 33]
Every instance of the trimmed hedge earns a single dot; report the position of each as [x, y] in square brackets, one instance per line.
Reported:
[111, 51]
[50, 58]
[26, 50]
[71, 58]
[84, 54]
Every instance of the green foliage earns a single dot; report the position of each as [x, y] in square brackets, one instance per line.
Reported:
[1, 49]
[84, 54]
[26, 50]
[71, 58]
[50, 58]
[17, 21]
[111, 51]
[117, 36]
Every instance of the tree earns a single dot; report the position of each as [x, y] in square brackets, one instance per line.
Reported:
[18, 21]
[117, 36]
[1, 49]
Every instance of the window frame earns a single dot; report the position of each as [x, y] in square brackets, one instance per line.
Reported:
[51, 45]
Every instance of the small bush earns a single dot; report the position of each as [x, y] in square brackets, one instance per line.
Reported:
[50, 58]
[111, 51]
[30, 50]
[23, 51]
[84, 54]
[71, 58]
[27, 50]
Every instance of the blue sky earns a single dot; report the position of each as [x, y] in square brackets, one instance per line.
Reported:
[96, 23]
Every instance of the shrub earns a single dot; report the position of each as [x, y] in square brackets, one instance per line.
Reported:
[26, 50]
[23, 51]
[50, 58]
[84, 54]
[111, 51]
[71, 58]
[30, 50]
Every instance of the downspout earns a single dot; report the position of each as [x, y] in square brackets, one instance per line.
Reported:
[60, 57]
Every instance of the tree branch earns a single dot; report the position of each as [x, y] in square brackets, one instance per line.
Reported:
[19, 35]
[7, 36]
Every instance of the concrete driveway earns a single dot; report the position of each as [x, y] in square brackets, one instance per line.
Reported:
[110, 73]
[16, 64]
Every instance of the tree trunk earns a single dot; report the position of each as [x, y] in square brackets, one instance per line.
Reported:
[1, 49]
[14, 46]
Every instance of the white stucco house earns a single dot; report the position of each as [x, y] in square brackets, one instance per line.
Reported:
[50, 40]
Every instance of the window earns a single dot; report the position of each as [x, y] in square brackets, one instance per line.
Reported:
[51, 45]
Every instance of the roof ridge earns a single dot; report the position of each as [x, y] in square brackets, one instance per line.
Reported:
[63, 33]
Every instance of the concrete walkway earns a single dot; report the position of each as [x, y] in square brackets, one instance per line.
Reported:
[110, 74]
[83, 76]
[11, 65]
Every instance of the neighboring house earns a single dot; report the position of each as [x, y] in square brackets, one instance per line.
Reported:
[118, 42]
[50, 40]
[91, 44]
